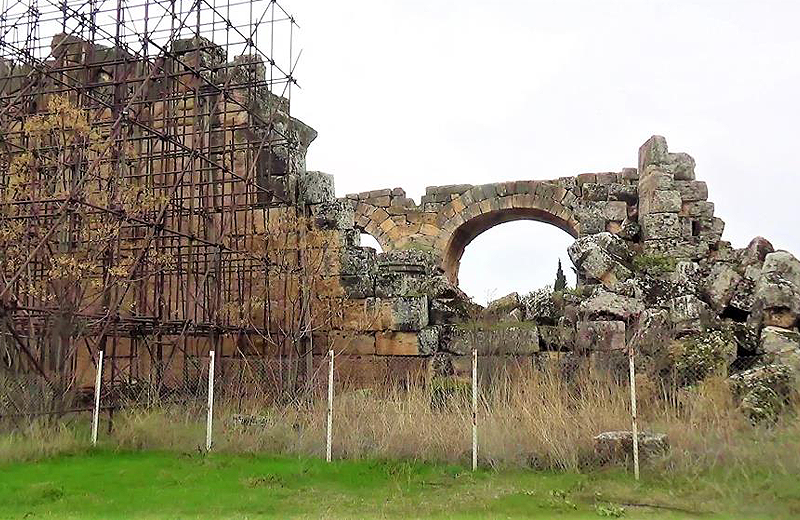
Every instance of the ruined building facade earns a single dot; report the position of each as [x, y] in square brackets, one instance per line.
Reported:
[159, 209]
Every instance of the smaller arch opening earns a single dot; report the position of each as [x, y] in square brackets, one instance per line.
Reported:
[368, 240]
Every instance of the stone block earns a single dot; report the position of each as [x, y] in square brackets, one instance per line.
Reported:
[316, 187]
[616, 211]
[489, 191]
[568, 183]
[687, 227]
[374, 194]
[720, 286]
[656, 226]
[694, 248]
[628, 229]
[400, 314]
[653, 152]
[756, 252]
[358, 286]
[710, 229]
[617, 446]
[655, 178]
[660, 201]
[743, 295]
[408, 313]
[652, 327]
[350, 238]
[502, 340]
[504, 305]
[601, 335]
[393, 343]
[692, 190]
[776, 299]
[606, 177]
[764, 391]
[784, 265]
[381, 202]
[602, 256]
[428, 339]
[358, 261]
[781, 345]
[594, 191]
[591, 224]
[337, 214]
[624, 192]
[687, 312]
[352, 342]
[630, 175]
[603, 304]
[327, 238]
[687, 276]
[387, 225]
[681, 165]
[696, 209]
[389, 284]
[361, 314]
[379, 215]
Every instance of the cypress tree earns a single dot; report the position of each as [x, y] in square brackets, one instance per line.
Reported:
[561, 280]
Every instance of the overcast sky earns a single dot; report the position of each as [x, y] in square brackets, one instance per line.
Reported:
[416, 93]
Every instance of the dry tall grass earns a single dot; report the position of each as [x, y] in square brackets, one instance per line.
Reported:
[536, 418]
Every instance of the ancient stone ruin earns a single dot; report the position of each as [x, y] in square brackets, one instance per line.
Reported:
[214, 236]
[652, 266]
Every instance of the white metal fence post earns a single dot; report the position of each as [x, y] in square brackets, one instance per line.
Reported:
[97, 382]
[634, 427]
[474, 409]
[210, 417]
[328, 451]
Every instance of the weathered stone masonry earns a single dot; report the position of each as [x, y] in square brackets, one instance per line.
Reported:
[657, 213]
[674, 213]
[648, 251]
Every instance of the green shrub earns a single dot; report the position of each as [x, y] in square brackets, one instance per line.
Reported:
[450, 391]
[655, 264]
[702, 355]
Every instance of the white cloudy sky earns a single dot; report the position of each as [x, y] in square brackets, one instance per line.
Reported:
[414, 93]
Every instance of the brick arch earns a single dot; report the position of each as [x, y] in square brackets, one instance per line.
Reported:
[364, 223]
[449, 217]
[484, 207]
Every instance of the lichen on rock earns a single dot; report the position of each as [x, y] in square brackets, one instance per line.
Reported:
[703, 354]
[764, 392]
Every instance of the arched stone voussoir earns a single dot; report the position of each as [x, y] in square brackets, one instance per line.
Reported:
[457, 234]
[376, 232]
[450, 217]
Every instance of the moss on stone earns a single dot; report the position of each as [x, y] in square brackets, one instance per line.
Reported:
[763, 392]
[655, 264]
[416, 246]
[702, 355]
[450, 391]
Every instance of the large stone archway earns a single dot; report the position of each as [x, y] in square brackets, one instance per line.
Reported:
[449, 217]
[466, 232]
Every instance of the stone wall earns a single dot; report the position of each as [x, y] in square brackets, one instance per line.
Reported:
[652, 267]
[648, 247]
[675, 216]
[448, 218]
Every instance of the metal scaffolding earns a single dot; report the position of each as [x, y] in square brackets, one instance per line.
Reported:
[146, 162]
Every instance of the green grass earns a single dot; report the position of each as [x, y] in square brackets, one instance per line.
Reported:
[150, 484]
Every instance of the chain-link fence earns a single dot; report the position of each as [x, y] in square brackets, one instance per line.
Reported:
[28, 397]
[545, 410]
